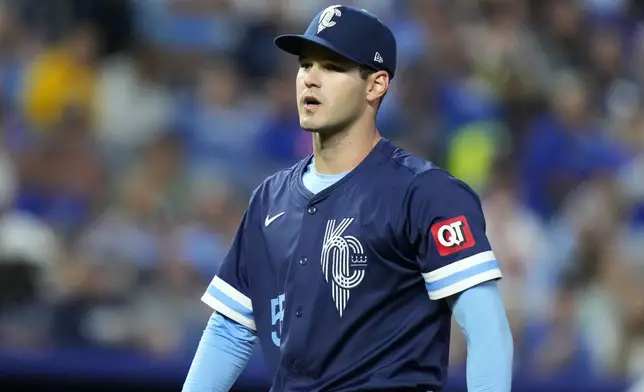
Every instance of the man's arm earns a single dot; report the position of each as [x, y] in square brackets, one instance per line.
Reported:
[222, 354]
[480, 313]
[446, 224]
[227, 341]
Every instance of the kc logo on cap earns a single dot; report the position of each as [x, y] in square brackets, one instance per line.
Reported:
[326, 17]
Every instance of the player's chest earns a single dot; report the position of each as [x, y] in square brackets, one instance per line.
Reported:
[348, 232]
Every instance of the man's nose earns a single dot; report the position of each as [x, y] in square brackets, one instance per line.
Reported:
[312, 78]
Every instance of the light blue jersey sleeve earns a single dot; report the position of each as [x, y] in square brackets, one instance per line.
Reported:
[480, 313]
[223, 352]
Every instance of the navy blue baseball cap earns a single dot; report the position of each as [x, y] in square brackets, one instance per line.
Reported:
[351, 32]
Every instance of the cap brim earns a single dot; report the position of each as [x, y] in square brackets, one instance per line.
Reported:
[294, 43]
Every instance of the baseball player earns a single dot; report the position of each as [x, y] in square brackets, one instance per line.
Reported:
[349, 266]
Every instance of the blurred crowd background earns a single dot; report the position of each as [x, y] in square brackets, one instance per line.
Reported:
[132, 133]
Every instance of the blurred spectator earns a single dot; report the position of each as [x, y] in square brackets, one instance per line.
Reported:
[630, 178]
[133, 105]
[219, 123]
[562, 29]
[61, 181]
[519, 242]
[281, 141]
[62, 79]
[564, 148]
[203, 241]
[132, 229]
[554, 347]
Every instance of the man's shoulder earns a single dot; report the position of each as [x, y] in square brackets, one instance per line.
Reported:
[418, 172]
[412, 167]
[279, 181]
[412, 163]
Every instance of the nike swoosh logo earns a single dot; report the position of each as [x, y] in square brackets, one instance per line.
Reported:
[270, 219]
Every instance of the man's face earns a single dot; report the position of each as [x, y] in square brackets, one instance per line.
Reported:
[331, 94]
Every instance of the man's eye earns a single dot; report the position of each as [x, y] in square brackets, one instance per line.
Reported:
[333, 67]
[305, 65]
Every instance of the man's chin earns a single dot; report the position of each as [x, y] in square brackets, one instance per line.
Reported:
[322, 129]
[309, 126]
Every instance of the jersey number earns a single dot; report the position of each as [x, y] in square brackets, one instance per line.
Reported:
[277, 316]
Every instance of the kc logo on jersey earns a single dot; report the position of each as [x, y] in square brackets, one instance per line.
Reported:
[343, 259]
[452, 235]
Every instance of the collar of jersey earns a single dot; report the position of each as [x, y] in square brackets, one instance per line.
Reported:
[324, 177]
[382, 151]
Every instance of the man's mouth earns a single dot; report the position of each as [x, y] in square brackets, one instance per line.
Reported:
[311, 102]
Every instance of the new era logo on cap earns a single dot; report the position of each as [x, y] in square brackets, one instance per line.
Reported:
[351, 32]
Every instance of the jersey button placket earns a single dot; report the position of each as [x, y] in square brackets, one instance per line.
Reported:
[307, 238]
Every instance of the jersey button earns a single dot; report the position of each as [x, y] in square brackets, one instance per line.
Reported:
[295, 365]
[312, 210]
[303, 261]
[299, 312]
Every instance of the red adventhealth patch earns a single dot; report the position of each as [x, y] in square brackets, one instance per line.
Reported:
[452, 235]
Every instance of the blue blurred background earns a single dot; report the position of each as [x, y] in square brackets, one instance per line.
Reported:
[132, 133]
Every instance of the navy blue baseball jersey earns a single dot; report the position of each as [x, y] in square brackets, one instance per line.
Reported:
[346, 288]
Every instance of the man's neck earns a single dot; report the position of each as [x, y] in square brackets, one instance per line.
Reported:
[343, 151]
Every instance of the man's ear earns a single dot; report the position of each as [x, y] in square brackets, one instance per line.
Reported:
[377, 86]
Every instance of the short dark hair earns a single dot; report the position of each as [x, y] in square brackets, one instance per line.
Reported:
[365, 72]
